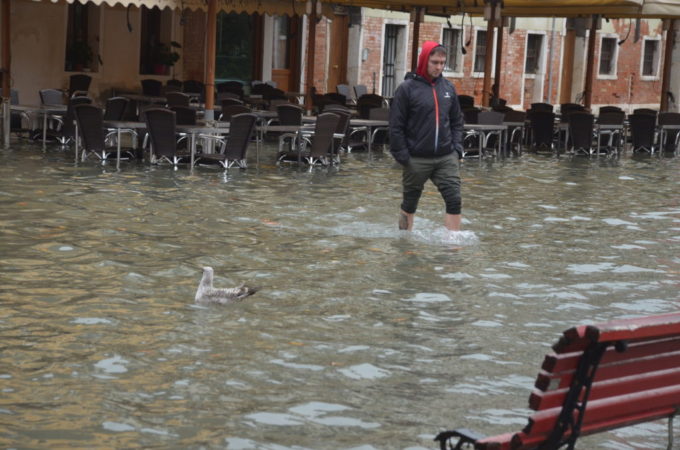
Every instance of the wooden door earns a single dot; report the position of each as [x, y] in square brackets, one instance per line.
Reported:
[337, 59]
[285, 57]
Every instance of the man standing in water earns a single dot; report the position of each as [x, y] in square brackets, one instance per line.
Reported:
[426, 136]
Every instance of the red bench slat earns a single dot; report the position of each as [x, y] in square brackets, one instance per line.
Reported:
[550, 381]
[613, 411]
[578, 338]
[569, 361]
[609, 388]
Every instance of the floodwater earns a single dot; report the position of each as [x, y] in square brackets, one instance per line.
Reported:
[362, 337]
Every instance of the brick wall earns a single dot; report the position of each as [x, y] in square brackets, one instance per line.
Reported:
[372, 28]
[628, 87]
[515, 87]
[321, 56]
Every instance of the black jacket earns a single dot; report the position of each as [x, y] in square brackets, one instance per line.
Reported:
[417, 127]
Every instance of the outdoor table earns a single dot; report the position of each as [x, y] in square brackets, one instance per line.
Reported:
[192, 130]
[44, 110]
[488, 128]
[369, 125]
[663, 130]
[512, 128]
[599, 128]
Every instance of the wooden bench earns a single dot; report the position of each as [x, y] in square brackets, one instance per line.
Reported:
[598, 378]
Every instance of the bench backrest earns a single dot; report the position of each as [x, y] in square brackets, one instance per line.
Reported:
[621, 373]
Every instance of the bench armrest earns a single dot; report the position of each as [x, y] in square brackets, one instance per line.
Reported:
[464, 436]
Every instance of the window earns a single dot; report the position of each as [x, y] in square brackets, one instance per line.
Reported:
[451, 40]
[650, 58]
[82, 48]
[157, 51]
[480, 51]
[235, 37]
[608, 56]
[281, 48]
[533, 57]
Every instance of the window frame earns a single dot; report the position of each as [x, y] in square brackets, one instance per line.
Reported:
[458, 54]
[539, 57]
[657, 59]
[477, 30]
[613, 73]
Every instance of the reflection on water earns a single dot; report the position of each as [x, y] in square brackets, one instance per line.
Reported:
[361, 337]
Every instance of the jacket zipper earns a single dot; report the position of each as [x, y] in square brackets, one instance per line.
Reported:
[436, 115]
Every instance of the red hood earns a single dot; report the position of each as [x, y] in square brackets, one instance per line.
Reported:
[424, 57]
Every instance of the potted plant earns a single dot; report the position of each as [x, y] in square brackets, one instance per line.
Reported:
[81, 55]
[165, 57]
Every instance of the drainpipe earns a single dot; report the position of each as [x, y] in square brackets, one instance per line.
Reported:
[550, 56]
[6, 72]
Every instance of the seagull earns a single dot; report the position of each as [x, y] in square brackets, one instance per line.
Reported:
[206, 293]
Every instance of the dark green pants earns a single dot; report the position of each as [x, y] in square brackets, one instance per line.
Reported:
[443, 171]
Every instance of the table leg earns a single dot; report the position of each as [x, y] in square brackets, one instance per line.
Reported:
[369, 131]
[118, 150]
[77, 142]
[44, 129]
[193, 148]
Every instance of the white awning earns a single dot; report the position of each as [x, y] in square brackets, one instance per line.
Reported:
[270, 7]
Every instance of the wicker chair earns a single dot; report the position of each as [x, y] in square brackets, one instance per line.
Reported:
[236, 146]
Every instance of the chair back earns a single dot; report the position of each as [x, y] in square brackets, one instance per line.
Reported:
[115, 108]
[192, 87]
[68, 129]
[240, 132]
[322, 141]
[542, 127]
[642, 127]
[184, 115]
[272, 93]
[230, 101]
[90, 119]
[344, 90]
[466, 101]
[359, 90]
[230, 110]
[490, 118]
[379, 114]
[289, 114]
[151, 87]
[651, 112]
[173, 85]
[669, 118]
[564, 107]
[160, 123]
[581, 130]
[332, 107]
[368, 101]
[610, 108]
[342, 127]
[471, 115]
[177, 99]
[334, 97]
[259, 89]
[611, 118]
[79, 82]
[542, 107]
[51, 97]
[234, 87]
[515, 116]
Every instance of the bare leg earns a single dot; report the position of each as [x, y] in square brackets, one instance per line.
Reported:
[405, 220]
[452, 222]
